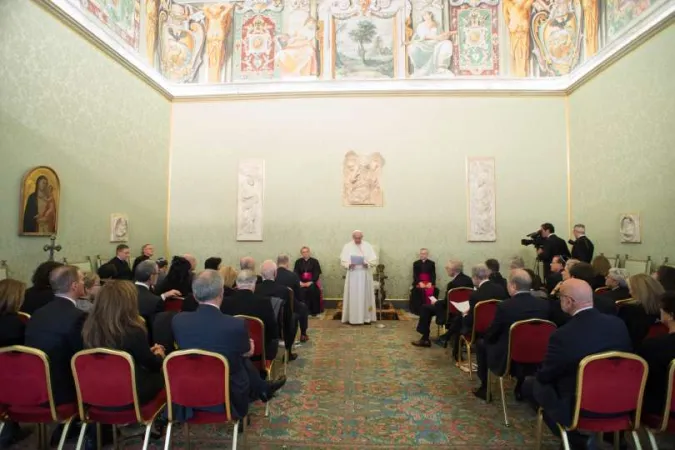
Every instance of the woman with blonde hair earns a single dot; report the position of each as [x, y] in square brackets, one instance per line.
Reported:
[12, 328]
[229, 275]
[92, 284]
[114, 323]
[601, 266]
[644, 309]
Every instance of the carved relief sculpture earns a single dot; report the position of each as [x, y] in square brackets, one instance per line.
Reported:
[40, 199]
[181, 41]
[629, 228]
[476, 23]
[591, 26]
[151, 16]
[251, 178]
[218, 25]
[481, 199]
[362, 179]
[556, 32]
[517, 17]
[119, 228]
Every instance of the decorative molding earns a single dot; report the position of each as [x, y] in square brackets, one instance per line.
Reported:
[644, 27]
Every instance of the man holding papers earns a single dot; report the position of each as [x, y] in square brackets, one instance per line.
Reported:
[358, 257]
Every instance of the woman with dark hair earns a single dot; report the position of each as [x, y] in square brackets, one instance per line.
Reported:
[40, 293]
[179, 278]
[666, 276]
[12, 328]
[114, 323]
[212, 263]
[659, 352]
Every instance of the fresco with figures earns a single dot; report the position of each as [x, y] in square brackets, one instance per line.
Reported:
[277, 40]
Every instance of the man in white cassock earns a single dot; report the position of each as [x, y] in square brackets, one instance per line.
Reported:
[358, 257]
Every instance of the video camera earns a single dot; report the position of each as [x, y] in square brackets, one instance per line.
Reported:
[535, 238]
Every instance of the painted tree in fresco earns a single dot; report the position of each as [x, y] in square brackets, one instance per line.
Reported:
[364, 33]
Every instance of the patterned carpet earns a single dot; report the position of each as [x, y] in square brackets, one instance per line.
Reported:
[361, 387]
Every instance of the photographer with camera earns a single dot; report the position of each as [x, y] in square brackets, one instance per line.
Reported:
[582, 247]
[549, 246]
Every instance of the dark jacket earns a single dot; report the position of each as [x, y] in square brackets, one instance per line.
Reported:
[420, 267]
[553, 246]
[486, 291]
[552, 281]
[582, 249]
[460, 281]
[123, 269]
[245, 302]
[637, 321]
[620, 293]
[603, 304]
[149, 305]
[497, 277]
[658, 352]
[137, 261]
[289, 279]
[12, 330]
[208, 329]
[35, 298]
[56, 329]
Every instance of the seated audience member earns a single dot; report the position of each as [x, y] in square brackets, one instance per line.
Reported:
[645, 308]
[208, 329]
[12, 328]
[245, 302]
[146, 253]
[40, 293]
[454, 269]
[290, 280]
[424, 282]
[121, 262]
[516, 262]
[92, 284]
[659, 352]
[485, 290]
[587, 332]
[163, 267]
[229, 275]
[495, 276]
[492, 351]
[179, 278]
[114, 323]
[617, 282]
[565, 276]
[56, 329]
[666, 276]
[150, 304]
[213, 263]
[584, 271]
[107, 272]
[538, 289]
[309, 270]
[248, 263]
[555, 275]
[601, 266]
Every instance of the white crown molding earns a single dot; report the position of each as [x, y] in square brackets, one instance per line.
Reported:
[643, 28]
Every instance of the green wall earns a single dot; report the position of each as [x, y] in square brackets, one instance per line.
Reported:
[424, 140]
[623, 150]
[65, 104]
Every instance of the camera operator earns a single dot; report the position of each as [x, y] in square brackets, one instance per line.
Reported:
[552, 246]
[582, 247]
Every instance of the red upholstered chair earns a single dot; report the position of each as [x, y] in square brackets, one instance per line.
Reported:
[483, 315]
[198, 379]
[656, 330]
[620, 303]
[457, 295]
[610, 383]
[528, 342]
[104, 380]
[665, 422]
[256, 331]
[602, 290]
[24, 317]
[173, 304]
[26, 392]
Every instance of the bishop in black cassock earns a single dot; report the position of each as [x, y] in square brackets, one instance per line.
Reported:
[424, 282]
[309, 271]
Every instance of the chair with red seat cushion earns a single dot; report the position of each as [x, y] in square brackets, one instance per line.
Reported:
[106, 392]
[483, 315]
[23, 317]
[656, 330]
[665, 422]
[256, 332]
[198, 379]
[609, 384]
[25, 391]
[601, 290]
[457, 295]
[173, 304]
[528, 343]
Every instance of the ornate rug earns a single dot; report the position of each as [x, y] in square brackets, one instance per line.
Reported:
[387, 313]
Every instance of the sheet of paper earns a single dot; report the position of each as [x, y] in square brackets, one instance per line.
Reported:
[357, 260]
[433, 299]
[462, 307]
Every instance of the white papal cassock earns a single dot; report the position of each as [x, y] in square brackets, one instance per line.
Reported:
[359, 297]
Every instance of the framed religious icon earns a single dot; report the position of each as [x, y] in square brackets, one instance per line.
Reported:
[40, 200]
[119, 228]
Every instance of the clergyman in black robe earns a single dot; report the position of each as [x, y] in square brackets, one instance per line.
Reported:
[309, 271]
[424, 282]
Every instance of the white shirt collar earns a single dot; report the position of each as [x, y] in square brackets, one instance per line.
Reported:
[582, 309]
[138, 283]
[67, 298]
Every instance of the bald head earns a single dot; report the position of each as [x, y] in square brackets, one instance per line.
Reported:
[574, 295]
[191, 259]
[268, 270]
[247, 263]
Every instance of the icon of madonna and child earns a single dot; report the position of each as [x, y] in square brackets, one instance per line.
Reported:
[40, 200]
[430, 49]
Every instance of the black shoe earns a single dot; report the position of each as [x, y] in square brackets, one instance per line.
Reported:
[272, 387]
[481, 392]
[292, 356]
[422, 343]
[13, 434]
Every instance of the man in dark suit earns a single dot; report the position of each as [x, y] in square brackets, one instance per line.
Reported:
[121, 262]
[56, 329]
[150, 304]
[146, 253]
[291, 280]
[553, 246]
[582, 247]
[555, 275]
[492, 350]
[209, 329]
[495, 276]
[617, 282]
[588, 332]
[424, 282]
[245, 302]
[454, 268]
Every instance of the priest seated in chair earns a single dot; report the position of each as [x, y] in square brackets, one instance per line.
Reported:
[309, 271]
[424, 282]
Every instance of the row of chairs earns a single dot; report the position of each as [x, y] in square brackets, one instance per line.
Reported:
[106, 389]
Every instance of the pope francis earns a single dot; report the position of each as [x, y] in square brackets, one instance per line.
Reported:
[358, 257]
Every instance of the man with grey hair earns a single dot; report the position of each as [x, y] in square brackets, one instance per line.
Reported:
[248, 263]
[208, 329]
[246, 302]
[617, 282]
[492, 350]
[291, 280]
[582, 247]
[458, 279]
[516, 262]
[150, 304]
